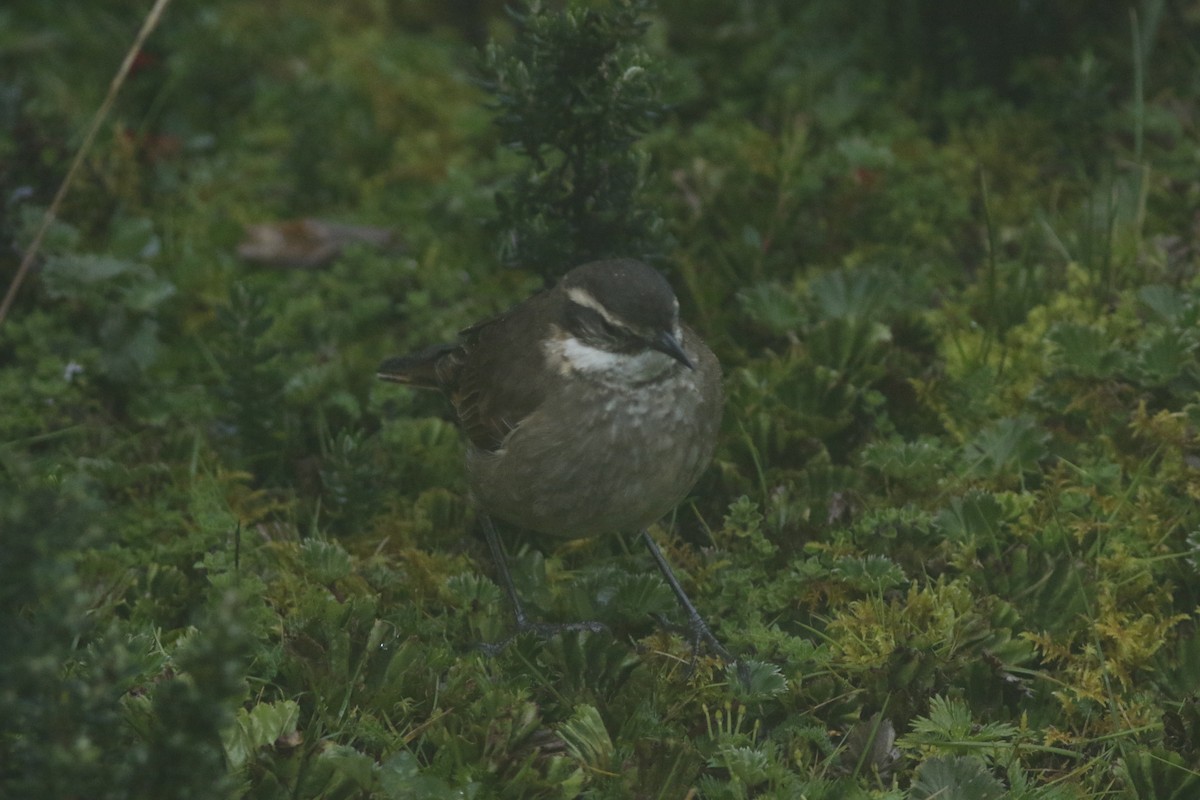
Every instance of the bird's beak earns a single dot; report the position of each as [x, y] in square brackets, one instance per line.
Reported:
[666, 342]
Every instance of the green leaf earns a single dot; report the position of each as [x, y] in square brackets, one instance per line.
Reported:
[258, 727]
[587, 739]
[325, 562]
[349, 764]
[855, 294]
[918, 461]
[772, 306]
[755, 681]
[975, 517]
[748, 765]
[1085, 351]
[70, 275]
[1157, 774]
[873, 573]
[1011, 445]
[1166, 302]
[400, 778]
[950, 722]
[958, 778]
[1163, 355]
[135, 238]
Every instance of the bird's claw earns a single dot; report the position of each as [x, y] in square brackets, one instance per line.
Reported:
[543, 630]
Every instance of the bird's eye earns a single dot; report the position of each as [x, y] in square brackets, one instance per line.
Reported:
[613, 330]
[591, 324]
[586, 319]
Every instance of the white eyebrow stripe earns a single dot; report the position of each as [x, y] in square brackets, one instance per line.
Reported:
[582, 297]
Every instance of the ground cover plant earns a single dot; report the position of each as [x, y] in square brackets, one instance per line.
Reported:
[948, 259]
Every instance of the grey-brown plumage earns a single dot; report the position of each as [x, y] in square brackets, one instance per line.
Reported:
[588, 408]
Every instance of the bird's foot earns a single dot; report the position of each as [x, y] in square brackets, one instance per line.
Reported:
[699, 635]
[542, 630]
[697, 628]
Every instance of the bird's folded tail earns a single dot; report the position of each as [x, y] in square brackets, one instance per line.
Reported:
[426, 369]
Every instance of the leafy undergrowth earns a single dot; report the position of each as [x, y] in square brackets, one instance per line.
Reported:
[952, 528]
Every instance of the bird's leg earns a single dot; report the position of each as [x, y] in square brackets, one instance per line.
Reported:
[524, 624]
[696, 624]
[493, 540]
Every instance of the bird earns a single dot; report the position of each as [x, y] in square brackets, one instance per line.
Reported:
[588, 409]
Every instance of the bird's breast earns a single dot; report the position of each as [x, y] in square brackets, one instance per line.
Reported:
[602, 455]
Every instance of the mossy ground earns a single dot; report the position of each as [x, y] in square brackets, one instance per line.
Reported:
[948, 260]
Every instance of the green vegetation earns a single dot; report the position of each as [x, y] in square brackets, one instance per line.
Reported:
[949, 260]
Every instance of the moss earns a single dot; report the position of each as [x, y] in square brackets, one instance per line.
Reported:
[951, 525]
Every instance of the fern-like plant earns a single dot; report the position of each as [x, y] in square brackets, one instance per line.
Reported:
[573, 93]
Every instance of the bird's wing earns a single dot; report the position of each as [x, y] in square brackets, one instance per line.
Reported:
[501, 378]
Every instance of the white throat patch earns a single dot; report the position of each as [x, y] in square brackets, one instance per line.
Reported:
[570, 354]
